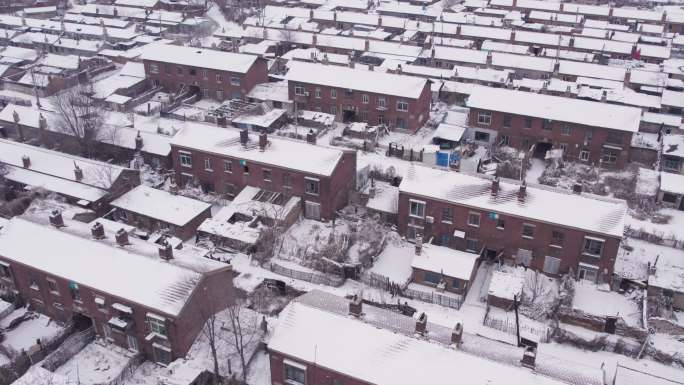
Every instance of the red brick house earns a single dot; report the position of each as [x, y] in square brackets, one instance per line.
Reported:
[550, 230]
[213, 74]
[592, 132]
[156, 210]
[226, 160]
[139, 296]
[397, 101]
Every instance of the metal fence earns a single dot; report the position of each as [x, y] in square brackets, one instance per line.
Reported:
[313, 277]
[385, 283]
[508, 326]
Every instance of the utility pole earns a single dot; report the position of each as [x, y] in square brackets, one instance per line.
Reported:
[517, 320]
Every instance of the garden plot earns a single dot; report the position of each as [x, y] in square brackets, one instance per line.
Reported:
[590, 299]
[35, 327]
[97, 363]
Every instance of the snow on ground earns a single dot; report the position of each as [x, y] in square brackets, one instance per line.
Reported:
[25, 335]
[260, 370]
[668, 230]
[36, 375]
[395, 260]
[537, 167]
[97, 363]
[590, 299]
[647, 182]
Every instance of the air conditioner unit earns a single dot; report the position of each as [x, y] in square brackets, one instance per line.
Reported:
[429, 219]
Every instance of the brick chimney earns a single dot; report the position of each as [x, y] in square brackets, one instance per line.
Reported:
[489, 59]
[314, 40]
[173, 187]
[458, 29]
[572, 41]
[138, 142]
[604, 96]
[421, 324]
[419, 244]
[522, 192]
[356, 306]
[97, 230]
[628, 77]
[26, 161]
[56, 218]
[457, 334]
[379, 21]
[263, 140]
[121, 237]
[311, 137]
[165, 250]
[366, 45]
[529, 357]
[495, 186]
[399, 69]
[244, 137]
[512, 36]
[78, 173]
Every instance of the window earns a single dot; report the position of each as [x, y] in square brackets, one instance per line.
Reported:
[557, 238]
[229, 190]
[312, 210]
[100, 303]
[207, 164]
[507, 120]
[669, 198]
[337, 382]
[584, 155]
[610, 155]
[447, 215]
[565, 130]
[564, 147]
[472, 245]
[433, 278]
[205, 74]
[234, 81]
[587, 273]
[267, 175]
[167, 69]
[474, 219]
[52, 286]
[154, 69]
[157, 324]
[455, 283]
[311, 186]
[593, 246]
[219, 78]
[162, 354]
[192, 71]
[551, 265]
[317, 93]
[75, 291]
[528, 122]
[500, 224]
[382, 103]
[401, 123]
[528, 230]
[333, 110]
[416, 208]
[205, 93]
[219, 94]
[185, 159]
[547, 125]
[402, 106]
[484, 118]
[33, 284]
[365, 98]
[588, 135]
[504, 140]
[299, 90]
[227, 166]
[294, 373]
[5, 271]
[481, 136]
[671, 164]
[614, 137]
[333, 93]
[364, 116]
[245, 167]
[381, 120]
[524, 257]
[287, 180]
[348, 93]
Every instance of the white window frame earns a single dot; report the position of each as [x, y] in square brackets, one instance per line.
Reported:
[593, 239]
[546, 263]
[584, 155]
[318, 185]
[365, 99]
[157, 324]
[234, 80]
[228, 166]
[523, 230]
[207, 165]
[402, 105]
[183, 157]
[472, 214]
[299, 90]
[484, 118]
[154, 68]
[418, 204]
[333, 93]
[317, 93]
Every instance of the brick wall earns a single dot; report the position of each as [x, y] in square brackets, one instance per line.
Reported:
[315, 374]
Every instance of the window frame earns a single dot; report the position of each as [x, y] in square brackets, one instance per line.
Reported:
[402, 106]
[473, 214]
[449, 218]
[526, 226]
[308, 191]
[484, 118]
[207, 165]
[185, 159]
[586, 249]
[418, 204]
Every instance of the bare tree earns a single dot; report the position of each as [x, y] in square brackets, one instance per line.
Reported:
[272, 235]
[535, 286]
[245, 331]
[79, 116]
[210, 330]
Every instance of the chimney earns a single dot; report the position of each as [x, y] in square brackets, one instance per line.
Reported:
[568, 91]
[572, 41]
[522, 192]
[529, 357]
[78, 173]
[263, 140]
[610, 12]
[399, 69]
[56, 218]
[42, 122]
[561, 7]
[663, 19]
[489, 59]
[421, 324]
[628, 77]
[634, 50]
[314, 40]
[458, 29]
[138, 142]
[165, 250]
[26, 161]
[577, 188]
[325, 58]
[513, 36]
[334, 15]
[356, 306]
[121, 237]
[604, 96]
[379, 21]
[366, 45]
[173, 187]
[432, 52]
[556, 67]
[244, 137]
[97, 230]
[419, 244]
[457, 334]
[495, 186]
[311, 14]
[311, 137]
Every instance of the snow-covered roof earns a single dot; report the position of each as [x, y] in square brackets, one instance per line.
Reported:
[199, 57]
[158, 204]
[672, 183]
[378, 355]
[628, 376]
[447, 261]
[507, 282]
[666, 119]
[142, 279]
[386, 198]
[673, 98]
[356, 79]
[593, 114]
[563, 208]
[450, 132]
[276, 91]
[294, 155]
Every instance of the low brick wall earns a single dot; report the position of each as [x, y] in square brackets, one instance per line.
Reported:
[662, 325]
